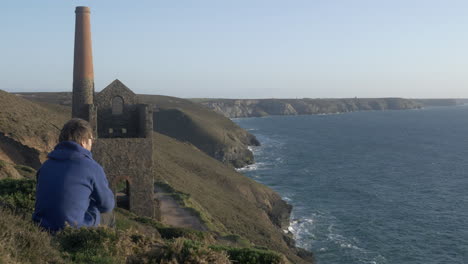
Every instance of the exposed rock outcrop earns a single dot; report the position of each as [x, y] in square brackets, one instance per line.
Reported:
[440, 102]
[231, 203]
[233, 108]
[186, 121]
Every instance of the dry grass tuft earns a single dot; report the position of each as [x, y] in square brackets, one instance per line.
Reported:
[21, 241]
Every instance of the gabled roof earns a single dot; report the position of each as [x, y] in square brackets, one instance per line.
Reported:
[115, 89]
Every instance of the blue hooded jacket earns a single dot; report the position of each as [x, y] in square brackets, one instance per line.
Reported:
[71, 188]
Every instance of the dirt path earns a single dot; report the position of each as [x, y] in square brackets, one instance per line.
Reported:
[173, 214]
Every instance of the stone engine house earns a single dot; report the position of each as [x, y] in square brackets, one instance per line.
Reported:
[122, 127]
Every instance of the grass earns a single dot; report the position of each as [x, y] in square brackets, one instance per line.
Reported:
[185, 201]
[21, 241]
[250, 255]
[182, 119]
[18, 195]
[32, 125]
[134, 240]
[26, 171]
[235, 203]
[237, 208]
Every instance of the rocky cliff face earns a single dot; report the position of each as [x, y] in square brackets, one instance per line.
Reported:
[440, 102]
[231, 202]
[234, 205]
[210, 132]
[184, 120]
[233, 108]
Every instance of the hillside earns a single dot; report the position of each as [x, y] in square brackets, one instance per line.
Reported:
[235, 209]
[229, 201]
[184, 120]
[133, 240]
[28, 131]
[233, 108]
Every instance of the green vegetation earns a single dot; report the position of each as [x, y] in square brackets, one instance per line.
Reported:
[185, 201]
[172, 232]
[33, 126]
[237, 205]
[18, 194]
[21, 241]
[239, 212]
[134, 240]
[182, 119]
[249, 255]
[26, 171]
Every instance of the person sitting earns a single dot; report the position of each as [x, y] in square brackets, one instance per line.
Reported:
[72, 188]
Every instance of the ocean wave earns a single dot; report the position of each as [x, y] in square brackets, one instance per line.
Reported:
[308, 232]
[302, 230]
[256, 150]
[350, 247]
[253, 167]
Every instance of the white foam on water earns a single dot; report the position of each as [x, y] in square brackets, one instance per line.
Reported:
[253, 167]
[365, 256]
[304, 229]
[256, 150]
[279, 160]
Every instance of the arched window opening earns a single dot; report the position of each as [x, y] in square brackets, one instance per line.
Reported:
[117, 105]
[123, 194]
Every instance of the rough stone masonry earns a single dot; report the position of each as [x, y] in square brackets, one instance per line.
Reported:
[122, 127]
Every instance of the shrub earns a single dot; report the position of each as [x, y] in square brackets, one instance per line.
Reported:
[250, 255]
[21, 241]
[18, 195]
[174, 232]
[89, 245]
[26, 171]
[183, 251]
[102, 244]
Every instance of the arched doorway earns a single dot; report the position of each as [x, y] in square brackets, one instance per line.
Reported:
[123, 194]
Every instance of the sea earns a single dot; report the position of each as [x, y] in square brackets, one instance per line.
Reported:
[370, 187]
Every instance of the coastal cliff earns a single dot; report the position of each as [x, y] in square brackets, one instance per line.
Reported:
[440, 102]
[210, 132]
[234, 108]
[184, 120]
[237, 211]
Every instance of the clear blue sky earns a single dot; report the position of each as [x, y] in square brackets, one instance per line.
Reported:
[244, 48]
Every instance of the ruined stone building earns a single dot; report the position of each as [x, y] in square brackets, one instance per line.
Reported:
[123, 127]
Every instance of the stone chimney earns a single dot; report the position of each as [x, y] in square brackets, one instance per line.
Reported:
[83, 73]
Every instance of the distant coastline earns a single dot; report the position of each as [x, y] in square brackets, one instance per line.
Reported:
[238, 108]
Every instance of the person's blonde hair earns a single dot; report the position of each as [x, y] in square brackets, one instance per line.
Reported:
[77, 130]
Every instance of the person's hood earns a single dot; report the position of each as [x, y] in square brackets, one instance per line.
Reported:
[68, 150]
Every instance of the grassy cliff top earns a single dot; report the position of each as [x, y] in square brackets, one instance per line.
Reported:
[234, 207]
[184, 120]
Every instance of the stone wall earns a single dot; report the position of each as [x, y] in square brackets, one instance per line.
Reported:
[124, 145]
[129, 159]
